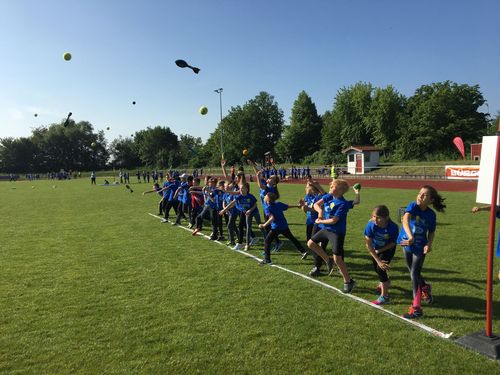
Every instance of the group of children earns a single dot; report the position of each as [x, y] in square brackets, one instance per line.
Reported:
[225, 204]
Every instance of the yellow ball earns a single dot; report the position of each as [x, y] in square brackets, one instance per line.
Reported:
[203, 110]
[67, 56]
[93, 144]
[245, 152]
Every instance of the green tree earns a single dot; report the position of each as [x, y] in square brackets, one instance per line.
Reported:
[303, 137]
[17, 155]
[124, 153]
[190, 150]
[331, 142]
[157, 147]
[437, 113]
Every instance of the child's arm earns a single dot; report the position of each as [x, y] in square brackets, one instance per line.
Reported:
[177, 192]
[430, 239]
[227, 208]
[153, 191]
[317, 185]
[250, 210]
[406, 226]
[357, 199]
[483, 208]
[318, 207]
[267, 223]
[223, 165]
[374, 253]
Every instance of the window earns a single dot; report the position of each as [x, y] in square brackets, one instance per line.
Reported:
[367, 157]
[351, 158]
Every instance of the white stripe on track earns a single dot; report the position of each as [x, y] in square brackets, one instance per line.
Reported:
[328, 286]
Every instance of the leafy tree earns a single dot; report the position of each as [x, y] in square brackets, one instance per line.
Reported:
[437, 113]
[303, 136]
[124, 153]
[331, 142]
[157, 147]
[190, 149]
[17, 155]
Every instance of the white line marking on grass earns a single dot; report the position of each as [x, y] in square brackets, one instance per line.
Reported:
[328, 286]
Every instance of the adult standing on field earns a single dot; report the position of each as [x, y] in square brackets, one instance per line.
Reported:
[92, 178]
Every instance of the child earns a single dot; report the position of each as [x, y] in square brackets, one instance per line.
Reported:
[196, 202]
[314, 192]
[380, 236]
[182, 196]
[211, 196]
[416, 237]
[232, 214]
[332, 211]
[279, 225]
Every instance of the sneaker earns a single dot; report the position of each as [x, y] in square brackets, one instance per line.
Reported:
[265, 262]
[348, 287]
[381, 300]
[315, 272]
[164, 220]
[213, 238]
[253, 241]
[176, 223]
[197, 230]
[426, 294]
[304, 256]
[238, 246]
[331, 266]
[413, 312]
[221, 238]
[278, 246]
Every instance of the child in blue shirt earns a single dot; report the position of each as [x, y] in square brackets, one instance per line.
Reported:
[332, 211]
[276, 219]
[380, 236]
[416, 237]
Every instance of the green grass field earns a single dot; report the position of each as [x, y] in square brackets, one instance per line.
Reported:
[90, 283]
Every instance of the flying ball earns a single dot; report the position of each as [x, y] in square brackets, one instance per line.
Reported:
[67, 56]
[245, 152]
[203, 110]
[357, 186]
[133, 103]
[107, 128]
[93, 144]
[36, 115]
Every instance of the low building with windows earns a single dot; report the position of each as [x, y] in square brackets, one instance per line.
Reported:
[361, 159]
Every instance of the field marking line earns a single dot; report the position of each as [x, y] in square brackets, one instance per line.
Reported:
[423, 327]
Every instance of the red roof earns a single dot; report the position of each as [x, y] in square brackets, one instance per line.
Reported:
[361, 148]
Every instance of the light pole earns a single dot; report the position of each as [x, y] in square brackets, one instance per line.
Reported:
[219, 91]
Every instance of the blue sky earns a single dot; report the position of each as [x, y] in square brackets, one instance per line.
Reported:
[124, 51]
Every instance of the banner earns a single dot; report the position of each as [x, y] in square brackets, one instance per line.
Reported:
[460, 145]
[462, 172]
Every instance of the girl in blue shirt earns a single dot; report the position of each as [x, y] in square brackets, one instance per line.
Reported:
[416, 237]
[380, 236]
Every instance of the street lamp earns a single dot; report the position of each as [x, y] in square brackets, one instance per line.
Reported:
[219, 91]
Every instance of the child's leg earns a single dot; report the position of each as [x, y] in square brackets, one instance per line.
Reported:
[231, 228]
[415, 263]
[267, 244]
[242, 225]
[292, 238]
[256, 215]
[338, 255]
[214, 218]
[248, 220]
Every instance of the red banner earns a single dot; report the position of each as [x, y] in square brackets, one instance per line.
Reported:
[460, 145]
[462, 172]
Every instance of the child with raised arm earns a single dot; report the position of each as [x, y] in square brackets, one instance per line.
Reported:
[381, 235]
[279, 225]
[332, 211]
[416, 237]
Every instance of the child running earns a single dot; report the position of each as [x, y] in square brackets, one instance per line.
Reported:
[332, 211]
[416, 237]
[274, 212]
[381, 234]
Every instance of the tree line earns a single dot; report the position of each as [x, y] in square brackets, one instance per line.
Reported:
[420, 127]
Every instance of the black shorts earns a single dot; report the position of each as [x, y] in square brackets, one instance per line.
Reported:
[388, 254]
[337, 240]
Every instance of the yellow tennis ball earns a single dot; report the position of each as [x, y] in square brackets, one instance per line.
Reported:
[67, 56]
[203, 110]
[245, 152]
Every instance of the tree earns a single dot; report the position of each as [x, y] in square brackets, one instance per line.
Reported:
[331, 142]
[17, 155]
[124, 153]
[190, 149]
[256, 126]
[157, 147]
[303, 136]
[437, 113]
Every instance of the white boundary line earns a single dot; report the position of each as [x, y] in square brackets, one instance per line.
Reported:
[328, 286]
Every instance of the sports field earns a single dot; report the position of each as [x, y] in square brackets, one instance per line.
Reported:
[90, 283]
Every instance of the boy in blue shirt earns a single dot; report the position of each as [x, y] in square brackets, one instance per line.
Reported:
[332, 211]
[274, 211]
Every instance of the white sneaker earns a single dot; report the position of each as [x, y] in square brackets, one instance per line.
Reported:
[253, 241]
[164, 220]
[246, 248]
[238, 246]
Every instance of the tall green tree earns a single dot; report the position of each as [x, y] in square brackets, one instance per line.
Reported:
[438, 112]
[303, 137]
[256, 126]
[331, 142]
[157, 147]
[17, 155]
[124, 153]
[190, 151]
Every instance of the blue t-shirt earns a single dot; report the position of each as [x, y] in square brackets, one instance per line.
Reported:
[174, 185]
[276, 209]
[263, 192]
[166, 192]
[421, 222]
[382, 236]
[338, 207]
[228, 198]
[183, 193]
[244, 202]
[309, 200]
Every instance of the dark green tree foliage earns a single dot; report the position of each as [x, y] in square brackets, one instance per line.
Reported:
[124, 153]
[303, 137]
[436, 114]
[385, 115]
[331, 142]
[157, 147]
[18, 155]
[190, 151]
[256, 126]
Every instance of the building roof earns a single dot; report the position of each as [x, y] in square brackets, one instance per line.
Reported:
[361, 148]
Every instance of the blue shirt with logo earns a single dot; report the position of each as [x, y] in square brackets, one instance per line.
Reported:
[335, 207]
[309, 200]
[276, 209]
[381, 236]
[421, 222]
[244, 202]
